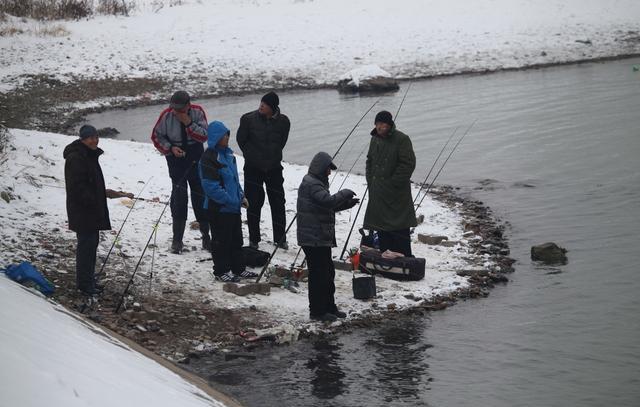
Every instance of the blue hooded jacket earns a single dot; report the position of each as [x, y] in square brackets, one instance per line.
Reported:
[219, 173]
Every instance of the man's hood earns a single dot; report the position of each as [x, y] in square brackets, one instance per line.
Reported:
[215, 132]
[320, 163]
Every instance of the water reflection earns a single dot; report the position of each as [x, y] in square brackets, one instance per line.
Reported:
[327, 381]
[400, 367]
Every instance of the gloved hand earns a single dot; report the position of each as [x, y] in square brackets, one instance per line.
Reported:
[245, 203]
[352, 202]
[348, 193]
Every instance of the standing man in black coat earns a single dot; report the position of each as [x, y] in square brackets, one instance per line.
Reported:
[262, 135]
[86, 204]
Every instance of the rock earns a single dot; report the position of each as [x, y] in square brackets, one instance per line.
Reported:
[549, 253]
[137, 307]
[342, 265]
[430, 239]
[275, 280]
[585, 42]
[6, 196]
[391, 307]
[378, 84]
[108, 132]
[368, 78]
[111, 194]
[246, 289]
[449, 243]
[420, 219]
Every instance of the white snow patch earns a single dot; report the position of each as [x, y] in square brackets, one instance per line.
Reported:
[50, 357]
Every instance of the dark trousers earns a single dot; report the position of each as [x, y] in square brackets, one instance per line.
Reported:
[227, 244]
[397, 241]
[321, 286]
[253, 191]
[184, 171]
[86, 260]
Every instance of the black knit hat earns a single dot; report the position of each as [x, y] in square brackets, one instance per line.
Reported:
[87, 131]
[384, 117]
[180, 100]
[272, 100]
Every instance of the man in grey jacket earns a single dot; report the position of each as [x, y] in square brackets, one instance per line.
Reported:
[316, 234]
[262, 135]
[179, 134]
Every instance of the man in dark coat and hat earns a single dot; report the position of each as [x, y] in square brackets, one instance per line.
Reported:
[262, 135]
[390, 163]
[86, 204]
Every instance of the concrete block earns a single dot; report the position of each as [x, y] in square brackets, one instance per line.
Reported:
[431, 240]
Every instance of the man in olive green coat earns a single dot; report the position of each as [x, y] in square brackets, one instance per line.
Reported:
[390, 163]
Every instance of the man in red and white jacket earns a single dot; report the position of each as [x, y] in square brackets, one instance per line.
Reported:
[179, 134]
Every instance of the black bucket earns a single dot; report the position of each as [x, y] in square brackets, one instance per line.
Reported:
[364, 288]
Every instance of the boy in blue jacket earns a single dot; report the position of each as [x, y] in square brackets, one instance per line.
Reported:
[224, 198]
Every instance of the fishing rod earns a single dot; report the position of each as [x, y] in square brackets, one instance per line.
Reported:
[153, 256]
[354, 128]
[434, 164]
[155, 226]
[445, 162]
[122, 226]
[344, 248]
[284, 235]
[304, 259]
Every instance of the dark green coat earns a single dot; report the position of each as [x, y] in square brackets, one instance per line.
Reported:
[390, 164]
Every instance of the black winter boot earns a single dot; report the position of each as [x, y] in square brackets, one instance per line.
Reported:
[206, 239]
[178, 233]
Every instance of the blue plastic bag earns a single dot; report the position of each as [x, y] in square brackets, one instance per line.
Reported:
[25, 272]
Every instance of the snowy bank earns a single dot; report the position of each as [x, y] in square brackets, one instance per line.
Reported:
[51, 357]
[228, 45]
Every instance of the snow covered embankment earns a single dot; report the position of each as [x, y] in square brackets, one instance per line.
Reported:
[51, 357]
[230, 46]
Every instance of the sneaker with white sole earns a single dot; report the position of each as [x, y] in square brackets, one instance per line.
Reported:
[228, 277]
[248, 274]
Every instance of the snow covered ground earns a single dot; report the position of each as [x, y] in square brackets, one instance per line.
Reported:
[51, 357]
[222, 45]
[34, 172]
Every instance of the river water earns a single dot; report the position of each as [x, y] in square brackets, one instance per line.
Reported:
[556, 154]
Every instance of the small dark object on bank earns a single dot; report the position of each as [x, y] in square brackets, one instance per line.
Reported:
[364, 288]
[254, 257]
[111, 194]
[549, 253]
[378, 84]
[108, 132]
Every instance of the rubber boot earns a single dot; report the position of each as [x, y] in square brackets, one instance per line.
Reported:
[206, 239]
[178, 233]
